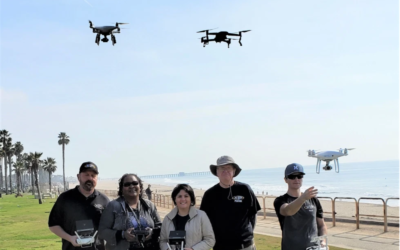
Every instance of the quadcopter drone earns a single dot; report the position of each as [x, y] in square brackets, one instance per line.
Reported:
[105, 31]
[221, 37]
[328, 156]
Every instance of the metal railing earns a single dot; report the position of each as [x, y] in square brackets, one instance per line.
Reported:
[371, 215]
[334, 206]
[165, 201]
[333, 209]
[385, 213]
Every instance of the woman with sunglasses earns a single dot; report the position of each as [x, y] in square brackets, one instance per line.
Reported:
[130, 222]
[300, 213]
[185, 217]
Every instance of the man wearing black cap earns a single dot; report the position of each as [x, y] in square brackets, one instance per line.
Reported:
[300, 214]
[78, 204]
[231, 207]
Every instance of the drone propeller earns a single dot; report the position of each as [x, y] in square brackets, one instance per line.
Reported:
[244, 31]
[122, 23]
[206, 30]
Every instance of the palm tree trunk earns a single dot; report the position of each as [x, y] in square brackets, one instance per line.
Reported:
[18, 184]
[63, 151]
[21, 183]
[1, 173]
[37, 185]
[50, 182]
[33, 186]
[5, 174]
[9, 167]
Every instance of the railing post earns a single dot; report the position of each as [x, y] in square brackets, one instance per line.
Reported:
[342, 198]
[384, 211]
[265, 208]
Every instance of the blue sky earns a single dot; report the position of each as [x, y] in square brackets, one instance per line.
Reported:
[310, 75]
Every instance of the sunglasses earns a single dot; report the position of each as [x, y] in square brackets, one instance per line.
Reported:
[128, 184]
[292, 177]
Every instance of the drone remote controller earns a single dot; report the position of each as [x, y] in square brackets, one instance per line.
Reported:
[85, 240]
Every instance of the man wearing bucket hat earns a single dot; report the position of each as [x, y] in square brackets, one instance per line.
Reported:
[300, 214]
[231, 207]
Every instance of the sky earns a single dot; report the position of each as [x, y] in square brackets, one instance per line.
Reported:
[311, 74]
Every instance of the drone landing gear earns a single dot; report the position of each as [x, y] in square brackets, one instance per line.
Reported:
[97, 39]
[113, 40]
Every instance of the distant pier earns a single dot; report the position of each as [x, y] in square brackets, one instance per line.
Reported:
[180, 174]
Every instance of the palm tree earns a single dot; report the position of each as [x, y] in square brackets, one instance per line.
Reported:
[26, 161]
[2, 155]
[4, 136]
[18, 169]
[10, 153]
[50, 166]
[35, 161]
[63, 140]
[18, 148]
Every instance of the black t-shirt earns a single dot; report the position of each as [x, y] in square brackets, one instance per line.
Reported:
[299, 229]
[232, 213]
[180, 222]
[73, 206]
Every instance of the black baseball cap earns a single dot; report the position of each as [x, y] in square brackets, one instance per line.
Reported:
[88, 166]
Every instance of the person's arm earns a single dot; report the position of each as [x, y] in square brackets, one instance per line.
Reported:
[322, 229]
[164, 235]
[254, 207]
[57, 230]
[289, 209]
[205, 204]
[207, 233]
[106, 224]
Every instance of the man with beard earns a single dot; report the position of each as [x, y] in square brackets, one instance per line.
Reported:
[79, 204]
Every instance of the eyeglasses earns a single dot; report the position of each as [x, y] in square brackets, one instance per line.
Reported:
[221, 169]
[128, 184]
[292, 177]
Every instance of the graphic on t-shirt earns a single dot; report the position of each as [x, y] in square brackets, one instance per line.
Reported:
[238, 198]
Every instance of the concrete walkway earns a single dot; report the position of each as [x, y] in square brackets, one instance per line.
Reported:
[345, 235]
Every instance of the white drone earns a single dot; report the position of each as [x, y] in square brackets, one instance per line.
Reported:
[328, 156]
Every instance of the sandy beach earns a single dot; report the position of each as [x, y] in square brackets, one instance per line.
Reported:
[344, 209]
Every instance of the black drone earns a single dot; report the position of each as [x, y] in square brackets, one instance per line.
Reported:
[221, 37]
[105, 31]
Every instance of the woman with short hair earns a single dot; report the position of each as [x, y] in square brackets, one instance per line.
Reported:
[130, 222]
[199, 232]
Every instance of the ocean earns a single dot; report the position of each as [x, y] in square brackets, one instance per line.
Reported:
[363, 179]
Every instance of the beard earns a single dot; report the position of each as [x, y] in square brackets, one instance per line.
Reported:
[88, 186]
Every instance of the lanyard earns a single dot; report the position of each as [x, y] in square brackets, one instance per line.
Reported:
[137, 220]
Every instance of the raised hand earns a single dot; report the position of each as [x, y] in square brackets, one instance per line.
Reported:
[309, 193]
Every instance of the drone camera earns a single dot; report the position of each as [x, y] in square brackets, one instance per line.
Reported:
[327, 168]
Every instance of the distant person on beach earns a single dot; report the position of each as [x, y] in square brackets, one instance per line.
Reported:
[83, 202]
[130, 222]
[300, 214]
[148, 192]
[199, 232]
[231, 207]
